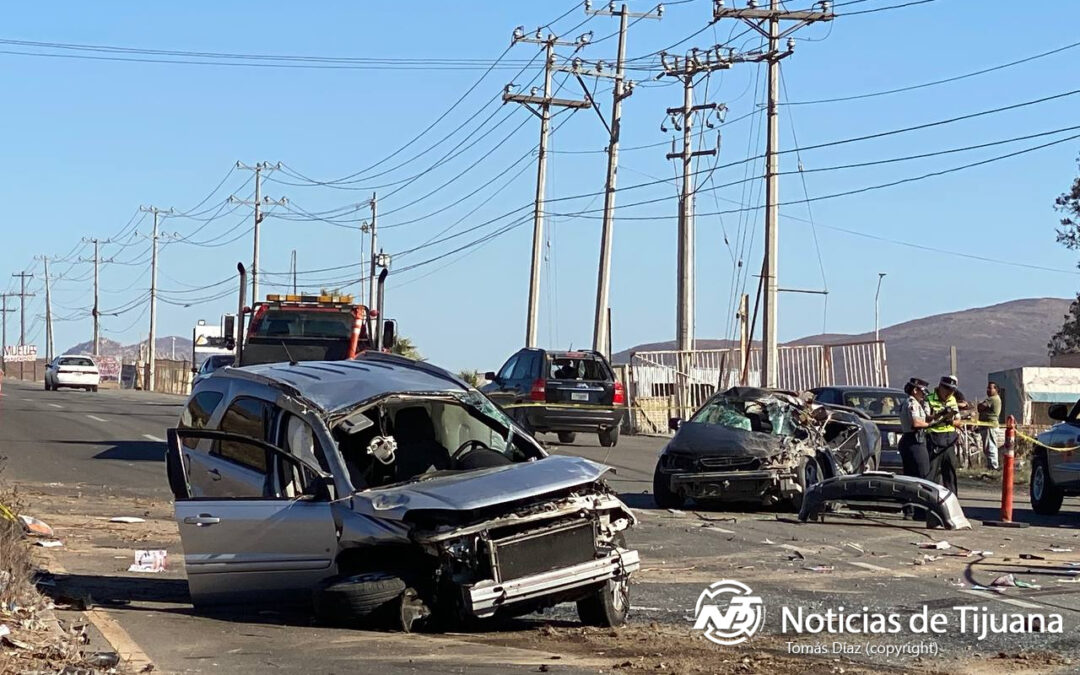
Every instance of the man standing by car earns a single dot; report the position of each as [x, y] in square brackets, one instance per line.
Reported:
[989, 419]
[942, 436]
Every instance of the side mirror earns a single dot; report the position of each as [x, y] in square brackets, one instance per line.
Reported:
[389, 333]
[490, 376]
[674, 423]
[1058, 411]
[194, 370]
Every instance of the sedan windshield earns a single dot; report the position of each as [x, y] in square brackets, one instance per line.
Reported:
[768, 415]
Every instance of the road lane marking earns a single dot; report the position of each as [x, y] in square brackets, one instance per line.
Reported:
[96, 418]
[1008, 601]
[884, 570]
[56, 405]
[29, 400]
[153, 438]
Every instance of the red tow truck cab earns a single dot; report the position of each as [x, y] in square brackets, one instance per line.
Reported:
[306, 328]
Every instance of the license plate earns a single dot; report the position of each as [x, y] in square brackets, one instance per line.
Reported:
[579, 396]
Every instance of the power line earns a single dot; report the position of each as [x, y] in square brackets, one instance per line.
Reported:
[855, 97]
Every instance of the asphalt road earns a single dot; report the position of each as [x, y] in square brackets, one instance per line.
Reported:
[80, 458]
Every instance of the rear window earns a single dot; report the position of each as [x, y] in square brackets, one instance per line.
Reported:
[304, 323]
[578, 368]
[76, 361]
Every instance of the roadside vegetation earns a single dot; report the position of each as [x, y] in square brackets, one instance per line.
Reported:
[31, 639]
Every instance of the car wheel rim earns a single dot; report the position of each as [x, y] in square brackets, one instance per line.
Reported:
[620, 595]
[1038, 481]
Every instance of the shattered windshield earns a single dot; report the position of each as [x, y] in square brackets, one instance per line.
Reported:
[403, 438]
[874, 403]
[768, 415]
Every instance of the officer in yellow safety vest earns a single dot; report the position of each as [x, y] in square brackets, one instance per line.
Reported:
[941, 434]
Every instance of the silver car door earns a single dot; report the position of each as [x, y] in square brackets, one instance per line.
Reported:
[254, 546]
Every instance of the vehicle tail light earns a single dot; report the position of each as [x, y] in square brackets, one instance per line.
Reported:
[620, 394]
[538, 391]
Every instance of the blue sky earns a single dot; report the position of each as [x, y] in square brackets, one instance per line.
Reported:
[88, 141]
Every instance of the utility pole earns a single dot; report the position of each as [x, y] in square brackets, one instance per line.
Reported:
[48, 313]
[23, 295]
[767, 23]
[3, 318]
[96, 312]
[293, 265]
[258, 203]
[541, 107]
[373, 227]
[744, 335]
[153, 294]
[621, 90]
[695, 63]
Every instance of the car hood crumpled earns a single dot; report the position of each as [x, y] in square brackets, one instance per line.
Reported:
[480, 488]
[712, 440]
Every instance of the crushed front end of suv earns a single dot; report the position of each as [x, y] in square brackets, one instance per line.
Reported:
[387, 490]
[761, 446]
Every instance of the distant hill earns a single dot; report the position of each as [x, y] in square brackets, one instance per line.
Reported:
[164, 348]
[987, 339]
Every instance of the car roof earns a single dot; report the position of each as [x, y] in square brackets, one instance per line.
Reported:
[846, 389]
[337, 385]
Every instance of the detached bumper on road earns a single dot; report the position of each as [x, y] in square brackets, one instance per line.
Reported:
[735, 485]
[569, 417]
[487, 597]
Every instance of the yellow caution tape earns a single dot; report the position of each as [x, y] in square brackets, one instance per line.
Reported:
[6, 512]
[1019, 434]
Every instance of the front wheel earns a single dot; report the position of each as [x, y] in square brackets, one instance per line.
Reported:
[663, 495]
[807, 475]
[607, 606]
[1045, 497]
[609, 437]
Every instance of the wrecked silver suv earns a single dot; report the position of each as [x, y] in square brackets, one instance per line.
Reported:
[383, 488]
[762, 446]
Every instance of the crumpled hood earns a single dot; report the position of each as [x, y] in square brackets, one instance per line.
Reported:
[481, 488]
[711, 440]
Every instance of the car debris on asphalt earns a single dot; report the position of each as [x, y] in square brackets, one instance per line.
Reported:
[150, 561]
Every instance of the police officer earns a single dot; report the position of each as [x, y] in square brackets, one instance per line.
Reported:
[942, 436]
[913, 424]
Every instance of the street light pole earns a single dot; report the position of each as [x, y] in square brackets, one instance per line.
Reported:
[877, 296]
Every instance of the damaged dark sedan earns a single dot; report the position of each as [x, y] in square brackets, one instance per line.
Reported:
[762, 446]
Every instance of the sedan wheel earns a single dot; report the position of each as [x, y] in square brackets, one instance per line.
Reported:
[607, 606]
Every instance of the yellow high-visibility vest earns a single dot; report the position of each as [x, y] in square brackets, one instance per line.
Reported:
[936, 405]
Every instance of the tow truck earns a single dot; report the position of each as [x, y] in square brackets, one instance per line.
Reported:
[300, 327]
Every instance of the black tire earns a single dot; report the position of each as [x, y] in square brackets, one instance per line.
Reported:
[662, 493]
[609, 437]
[1045, 497]
[807, 473]
[94, 388]
[353, 598]
[607, 606]
[567, 436]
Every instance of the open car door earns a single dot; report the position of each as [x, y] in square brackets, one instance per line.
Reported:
[273, 546]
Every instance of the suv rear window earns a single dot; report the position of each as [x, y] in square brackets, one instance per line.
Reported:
[566, 367]
[276, 323]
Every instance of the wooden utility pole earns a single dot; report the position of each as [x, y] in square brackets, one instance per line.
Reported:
[621, 90]
[541, 107]
[767, 23]
[23, 295]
